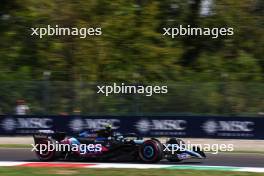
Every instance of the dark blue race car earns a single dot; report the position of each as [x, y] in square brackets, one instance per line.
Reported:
[104, 145]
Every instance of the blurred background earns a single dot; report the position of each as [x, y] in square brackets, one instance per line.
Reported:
[59, 75]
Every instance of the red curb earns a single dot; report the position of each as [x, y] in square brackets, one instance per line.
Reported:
[65, 165]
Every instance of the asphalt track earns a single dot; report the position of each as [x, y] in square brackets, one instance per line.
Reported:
[221, 159]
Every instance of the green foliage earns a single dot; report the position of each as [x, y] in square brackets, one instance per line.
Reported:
[132, 50]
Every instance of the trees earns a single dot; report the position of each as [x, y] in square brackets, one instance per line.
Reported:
[131, 49]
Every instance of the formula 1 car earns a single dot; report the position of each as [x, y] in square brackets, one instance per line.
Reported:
[105, 146]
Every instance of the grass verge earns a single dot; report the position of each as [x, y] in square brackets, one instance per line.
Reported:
[15, 146]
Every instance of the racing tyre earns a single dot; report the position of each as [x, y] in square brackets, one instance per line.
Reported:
[43, 152]
[151, 151]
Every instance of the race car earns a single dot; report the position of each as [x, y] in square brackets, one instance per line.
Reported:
[104, 145]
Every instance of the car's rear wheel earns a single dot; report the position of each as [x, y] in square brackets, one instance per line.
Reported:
[151, 151]
[44, 152]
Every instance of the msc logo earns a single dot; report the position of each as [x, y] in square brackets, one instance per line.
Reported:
[76, 125]
[212, 126]
[145, 125]
[10, 124]
[81, 124]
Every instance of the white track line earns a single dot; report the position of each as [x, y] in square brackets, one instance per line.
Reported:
[139, 166]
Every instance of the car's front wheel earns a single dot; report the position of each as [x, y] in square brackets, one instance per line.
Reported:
[151, 151]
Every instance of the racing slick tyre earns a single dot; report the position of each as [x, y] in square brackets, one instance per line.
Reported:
[174, 158]
[43, 152]
[151, 151]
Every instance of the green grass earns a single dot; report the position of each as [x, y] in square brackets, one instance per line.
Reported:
[15, 146]
[26, 171]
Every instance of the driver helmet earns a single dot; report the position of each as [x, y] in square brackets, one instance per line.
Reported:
[108, 127]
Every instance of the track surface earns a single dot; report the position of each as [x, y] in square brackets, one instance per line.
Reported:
[223, 159]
